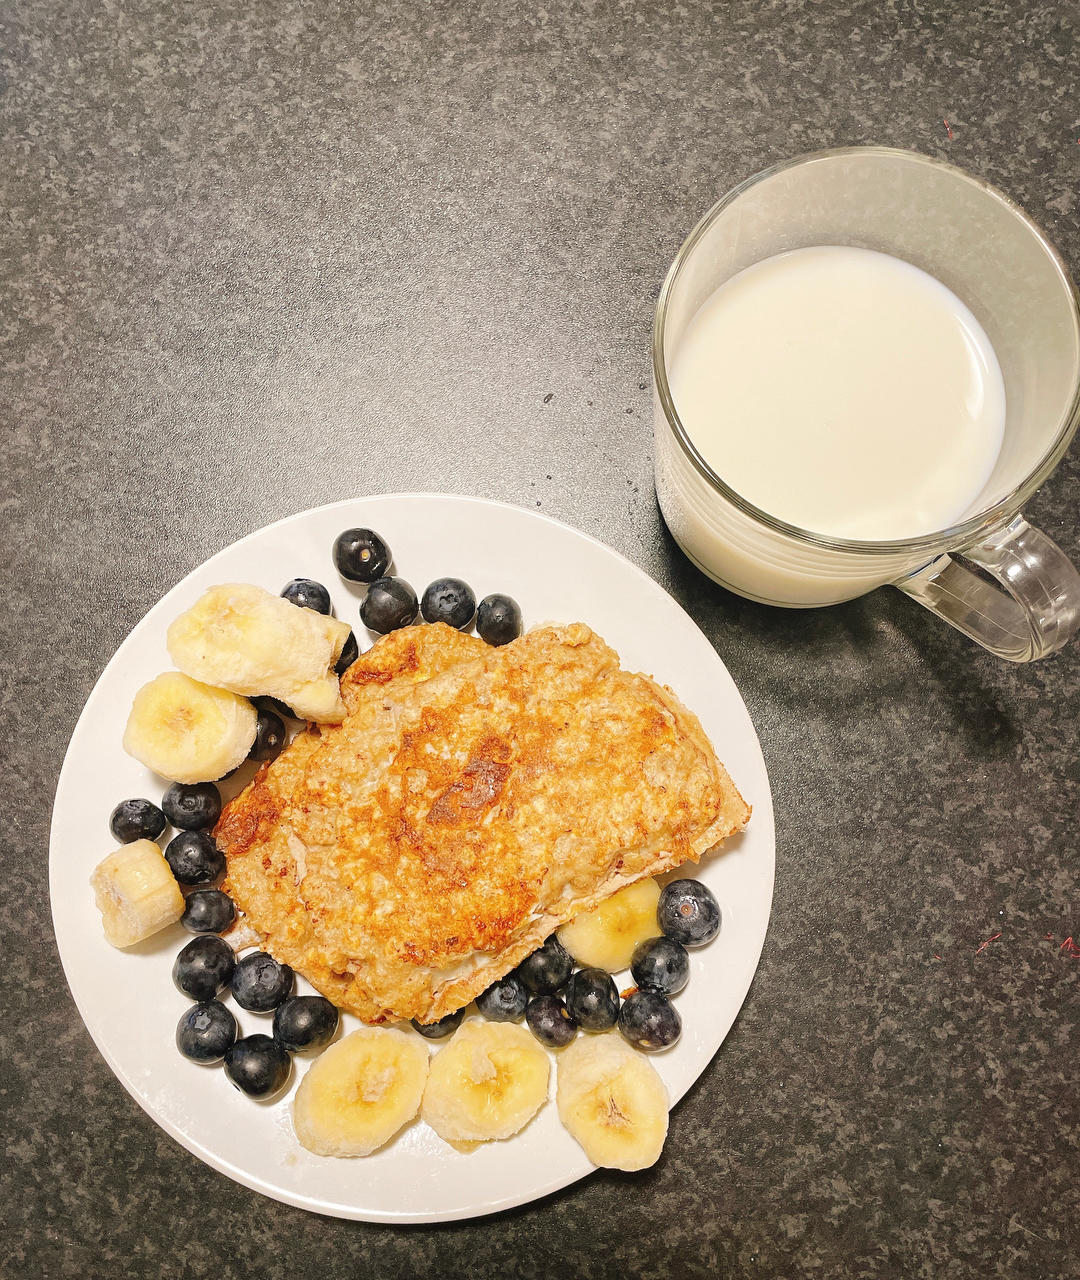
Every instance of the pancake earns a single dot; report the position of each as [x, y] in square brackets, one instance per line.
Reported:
[473, 800]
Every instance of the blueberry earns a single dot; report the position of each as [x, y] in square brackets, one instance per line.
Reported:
[689, 913]
[361, 555]
[661, 964]
[649, 1021]
[307, 594]
[449, 600]
[505, 1000]
[390, 603]
[269, 736]
[136, 820]
[550, 1021]
[203, 967]
[350, 651]
[305, 1022]
[437, 1030]
[192, 806]
[547, 968]
[208, 911]
[194, 857]
[260, 983]
[498, 620]
[257, 1065]
[277, 707]
[592, 999]
[205, 1032]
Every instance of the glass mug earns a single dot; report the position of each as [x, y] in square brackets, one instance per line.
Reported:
[1013, 590]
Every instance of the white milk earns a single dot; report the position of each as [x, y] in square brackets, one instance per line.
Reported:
[843, 391]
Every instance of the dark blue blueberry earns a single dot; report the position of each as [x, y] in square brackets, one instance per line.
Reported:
[260, 983]
[205, 1032]
[390, 603]
[505, 1000]
[449, 600]
[208, 911]
[277, 707]
[195, 857]
[361, 555]
[192, 806]
[203, 967]
[270, 736]
[308, 594]
[661, 964]
[649, 1021]
[592, 999]
[136, 820]
[438, 1030]
[305, 1022]
[350, 651]
[550, 1021]
[498, 620]
[688, 912]
[547, 968]
[257, 1065]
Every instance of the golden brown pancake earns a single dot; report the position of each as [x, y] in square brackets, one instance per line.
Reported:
[473, 800]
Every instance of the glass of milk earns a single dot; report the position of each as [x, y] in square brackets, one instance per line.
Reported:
[865, 362]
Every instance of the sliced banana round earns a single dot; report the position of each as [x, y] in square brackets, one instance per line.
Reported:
[488, 1083]
[605, 937]
[188, 731]
[612, 1101]
[243, 638]
[136, 893]
[358, 1093]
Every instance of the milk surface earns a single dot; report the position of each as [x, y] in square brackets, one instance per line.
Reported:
[844, 391]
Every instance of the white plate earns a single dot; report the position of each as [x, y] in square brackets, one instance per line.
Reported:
[127, 999]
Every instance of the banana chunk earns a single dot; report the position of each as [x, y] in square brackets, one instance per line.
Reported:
[136, 893]
[358, 1093]
[612, 1102]
[187, 731]
[605, 937]
[488, 1083]
[242, 638]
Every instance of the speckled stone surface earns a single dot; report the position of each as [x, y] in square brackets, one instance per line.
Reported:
[257, 257]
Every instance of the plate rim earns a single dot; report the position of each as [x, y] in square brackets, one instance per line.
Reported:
[763, 809]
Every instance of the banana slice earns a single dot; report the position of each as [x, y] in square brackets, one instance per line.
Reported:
[358, 1093]
[612, 1102]
[242, 638]
[187, 731]
[605, 937]
[488, 1083]
[136, 893]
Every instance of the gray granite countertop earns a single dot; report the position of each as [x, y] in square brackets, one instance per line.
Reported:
[258, 257]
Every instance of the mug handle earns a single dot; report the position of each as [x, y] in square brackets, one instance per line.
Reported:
[1032, 611]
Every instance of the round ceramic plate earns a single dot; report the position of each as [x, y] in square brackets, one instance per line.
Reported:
[127, 998]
